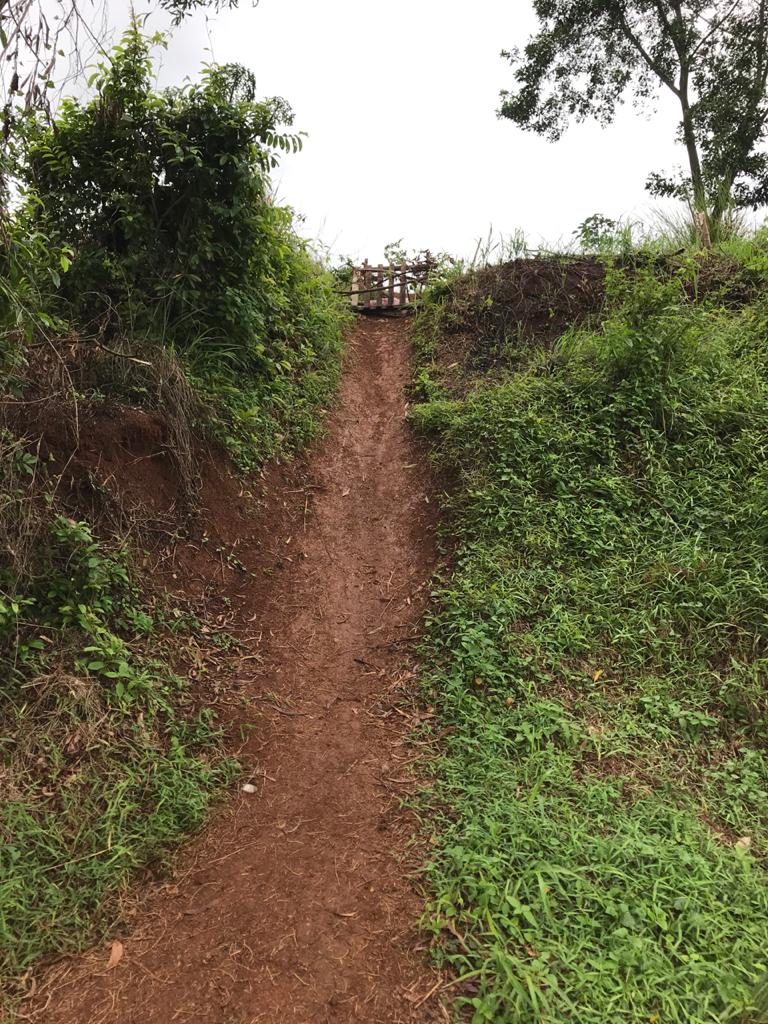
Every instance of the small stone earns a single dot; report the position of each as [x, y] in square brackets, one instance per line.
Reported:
[249, 787]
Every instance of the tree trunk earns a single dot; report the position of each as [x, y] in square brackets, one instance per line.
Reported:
[720, 203]
[700, 204]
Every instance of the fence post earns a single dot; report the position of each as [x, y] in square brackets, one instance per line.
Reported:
[385, 286]
[366, 284]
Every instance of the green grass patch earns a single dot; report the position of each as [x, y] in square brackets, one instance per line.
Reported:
[598, 658]
[105, 763]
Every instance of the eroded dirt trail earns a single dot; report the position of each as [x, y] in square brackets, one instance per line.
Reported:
[296, 905]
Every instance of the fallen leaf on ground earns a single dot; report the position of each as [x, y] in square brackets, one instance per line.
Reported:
[115, 954]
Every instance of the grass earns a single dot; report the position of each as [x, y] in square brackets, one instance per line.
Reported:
[597, 658]
[106, 764]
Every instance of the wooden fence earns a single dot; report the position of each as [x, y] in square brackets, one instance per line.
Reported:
[386, 287]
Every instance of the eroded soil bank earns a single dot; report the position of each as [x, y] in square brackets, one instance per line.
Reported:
[296, 904]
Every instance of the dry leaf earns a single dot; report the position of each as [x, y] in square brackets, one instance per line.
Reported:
[597, 674]
[115, 954]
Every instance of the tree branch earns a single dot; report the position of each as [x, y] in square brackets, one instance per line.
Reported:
[630, 35]
[714, 28]
[762, 65]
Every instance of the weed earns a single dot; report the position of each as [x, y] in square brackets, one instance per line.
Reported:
[105, 765]
[597, 659]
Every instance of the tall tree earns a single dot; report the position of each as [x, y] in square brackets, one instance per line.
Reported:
[712, 55]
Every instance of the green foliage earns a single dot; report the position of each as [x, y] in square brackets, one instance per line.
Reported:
[604, 236]
[270, 413]
[598, 660]
[30, 269]
[105, 764]
[711, 56]
[165, 198]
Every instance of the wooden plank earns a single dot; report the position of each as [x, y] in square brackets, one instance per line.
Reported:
[385, 286]
[380, 288]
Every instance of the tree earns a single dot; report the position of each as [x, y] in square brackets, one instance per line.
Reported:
[712, 55]
[181, 8]
[36, 36]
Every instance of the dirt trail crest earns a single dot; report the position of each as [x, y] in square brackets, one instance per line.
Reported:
[294, 906]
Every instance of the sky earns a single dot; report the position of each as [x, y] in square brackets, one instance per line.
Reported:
[399, 101]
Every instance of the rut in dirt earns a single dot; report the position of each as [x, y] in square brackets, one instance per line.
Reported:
[297, 905]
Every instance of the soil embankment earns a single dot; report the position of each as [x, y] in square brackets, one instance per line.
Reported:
[296, 905]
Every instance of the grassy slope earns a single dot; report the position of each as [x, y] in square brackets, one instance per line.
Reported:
[598, 665]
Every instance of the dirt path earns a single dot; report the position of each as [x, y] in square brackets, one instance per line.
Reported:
[296, 906]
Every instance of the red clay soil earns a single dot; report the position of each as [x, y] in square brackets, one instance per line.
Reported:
[297, 904]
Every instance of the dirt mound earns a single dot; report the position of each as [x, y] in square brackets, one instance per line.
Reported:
[495, 317]
[117, 466]
[122, 467]
[723, 279]
[125, 453]
[538, 298]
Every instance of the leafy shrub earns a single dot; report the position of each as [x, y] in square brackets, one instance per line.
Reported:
[164, 201]
[164, 197]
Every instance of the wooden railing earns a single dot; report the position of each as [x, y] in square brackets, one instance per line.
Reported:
[386, 287]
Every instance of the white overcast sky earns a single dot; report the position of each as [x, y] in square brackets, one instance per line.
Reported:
[398, 101]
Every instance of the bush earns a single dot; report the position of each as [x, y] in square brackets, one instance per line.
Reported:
[163, 202]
